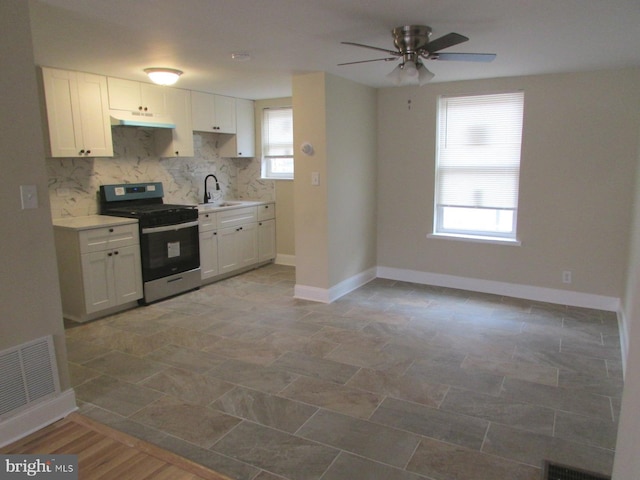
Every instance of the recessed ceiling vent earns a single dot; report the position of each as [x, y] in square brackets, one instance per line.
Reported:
[29, 375]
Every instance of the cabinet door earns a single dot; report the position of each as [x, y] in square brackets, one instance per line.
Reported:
[94, 115]
[61, 91]
[213, 113]
[242, 144]
[153, 98]
[266, 240]
[209, 254]
[202, 106]
[224, 114]
[97, 275]
[124, 94]
[248, 244]
[127, 274]
[228, 248]
[135, 96]
[77, 114]
[176, 142]
[246, 130]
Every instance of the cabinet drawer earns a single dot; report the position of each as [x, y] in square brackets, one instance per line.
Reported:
[266, 212]
[237, 216]
[207, 222]
[98, 239]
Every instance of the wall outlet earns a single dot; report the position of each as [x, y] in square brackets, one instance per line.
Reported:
[566, 276]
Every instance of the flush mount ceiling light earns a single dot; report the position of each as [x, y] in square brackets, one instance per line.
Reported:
[163, 76]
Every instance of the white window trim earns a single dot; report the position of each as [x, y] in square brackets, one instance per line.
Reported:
[476, 239]
[438, 231]
[265, 160]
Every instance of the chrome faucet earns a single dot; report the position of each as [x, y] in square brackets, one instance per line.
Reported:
[207, 195]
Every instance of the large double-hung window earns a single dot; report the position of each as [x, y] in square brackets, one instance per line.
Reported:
[478, 166]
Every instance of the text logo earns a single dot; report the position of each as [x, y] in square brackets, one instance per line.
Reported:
[49, 467]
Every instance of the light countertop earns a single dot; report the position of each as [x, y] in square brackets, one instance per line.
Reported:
[91, 221]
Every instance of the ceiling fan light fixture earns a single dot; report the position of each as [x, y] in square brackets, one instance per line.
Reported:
[424, 74]
[410, 73]
[163, 76]
[410, 70]
[396, 75]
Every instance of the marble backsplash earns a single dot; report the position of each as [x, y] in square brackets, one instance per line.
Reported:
[74, 182]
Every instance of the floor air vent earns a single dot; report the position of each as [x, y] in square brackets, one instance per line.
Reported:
[554, 471]
[29, 375]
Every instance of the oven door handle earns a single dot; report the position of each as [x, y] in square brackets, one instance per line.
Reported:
[170, 228]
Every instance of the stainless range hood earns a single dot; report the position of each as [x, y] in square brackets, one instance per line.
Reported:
[140, 119]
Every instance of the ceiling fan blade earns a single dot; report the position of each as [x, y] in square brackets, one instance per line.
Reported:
[390, 52]
[446, 41]
[463, 57]
[388, 59]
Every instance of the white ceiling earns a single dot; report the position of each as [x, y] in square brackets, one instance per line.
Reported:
[286, 37]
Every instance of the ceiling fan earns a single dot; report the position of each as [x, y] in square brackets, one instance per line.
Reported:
[413, 46]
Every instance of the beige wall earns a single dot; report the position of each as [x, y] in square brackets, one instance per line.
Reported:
[310, 204]
[627, 460]
[579, 158]
[29, 291]
[334, 221]
[285, 235]
[351, 178]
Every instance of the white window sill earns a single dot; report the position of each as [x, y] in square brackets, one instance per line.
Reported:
[476, 239]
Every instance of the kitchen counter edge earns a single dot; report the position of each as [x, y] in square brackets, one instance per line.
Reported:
[91, 221]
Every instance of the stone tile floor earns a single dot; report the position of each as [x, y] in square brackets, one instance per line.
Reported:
[393, 381]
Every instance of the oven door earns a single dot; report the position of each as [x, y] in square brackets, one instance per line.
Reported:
[169, 249]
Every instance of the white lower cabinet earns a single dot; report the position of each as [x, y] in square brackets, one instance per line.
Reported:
[111, 278]
[99, 266]
[207, 225]
[266, 240]
[236, 239]
[266, 232]
[237, 247]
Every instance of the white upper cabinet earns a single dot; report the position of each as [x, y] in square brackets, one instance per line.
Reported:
[178, 141]
[243, 143]
[77, 114]
[132, 96]
[213, 113]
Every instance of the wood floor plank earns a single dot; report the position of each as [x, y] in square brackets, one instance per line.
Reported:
[112, 459]
[61, 431]
[107, 454]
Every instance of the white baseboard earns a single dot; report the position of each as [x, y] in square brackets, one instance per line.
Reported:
[528, 292]
[324, 295]
[623, 328]
[288, 260]
[37, 417]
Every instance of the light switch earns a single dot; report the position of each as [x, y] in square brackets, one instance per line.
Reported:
[315, 178]
[29, 196]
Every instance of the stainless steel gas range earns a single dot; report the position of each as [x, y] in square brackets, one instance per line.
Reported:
[169, 244]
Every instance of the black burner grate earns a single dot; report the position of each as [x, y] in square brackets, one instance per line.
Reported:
[554, 471]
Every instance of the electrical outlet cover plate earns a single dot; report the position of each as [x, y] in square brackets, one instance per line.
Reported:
[29, 196]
